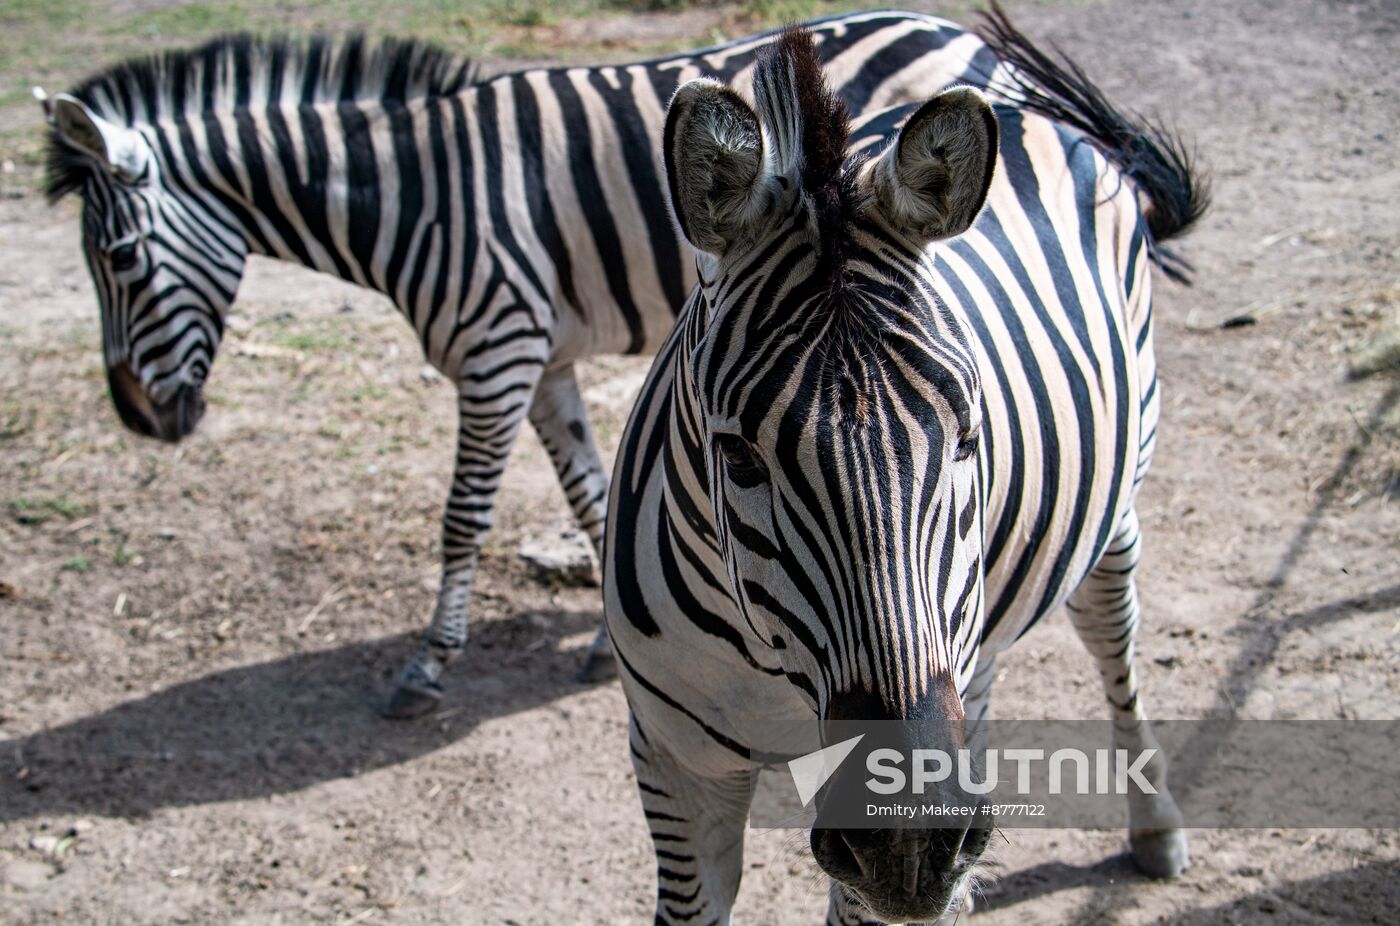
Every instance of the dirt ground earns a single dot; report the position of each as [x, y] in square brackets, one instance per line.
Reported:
[193, 639]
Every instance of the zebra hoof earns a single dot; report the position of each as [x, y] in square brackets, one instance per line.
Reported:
[408, 701]
[600, 664]
[1160, 853]
[598, 667]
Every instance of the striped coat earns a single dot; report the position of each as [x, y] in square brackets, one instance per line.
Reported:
[903, 416]
[518, 223]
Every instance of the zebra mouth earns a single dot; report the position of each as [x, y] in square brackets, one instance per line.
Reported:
[168, 421]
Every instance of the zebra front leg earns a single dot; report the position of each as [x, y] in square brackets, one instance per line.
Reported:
[485, 434]
[977, 703]
[1104, 610]
[561, 421]
[843, 910]
[697, 829]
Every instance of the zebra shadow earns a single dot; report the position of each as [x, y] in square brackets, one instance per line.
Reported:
[284, 725]
[1367, 893]
[1015, 887]
[1261, 631]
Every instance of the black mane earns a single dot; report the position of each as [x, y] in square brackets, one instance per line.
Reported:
[826, 131]
[228, 72]
[825, 119]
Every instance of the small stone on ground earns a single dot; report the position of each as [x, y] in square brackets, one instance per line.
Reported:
[565, 557]
[26, 874]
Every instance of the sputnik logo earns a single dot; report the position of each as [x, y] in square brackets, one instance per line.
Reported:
[813, 770]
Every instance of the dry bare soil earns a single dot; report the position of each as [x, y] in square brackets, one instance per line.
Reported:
[193, 639]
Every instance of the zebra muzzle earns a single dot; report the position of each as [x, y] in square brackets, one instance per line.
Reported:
[912, 866]
[902, 875]
[169, 420]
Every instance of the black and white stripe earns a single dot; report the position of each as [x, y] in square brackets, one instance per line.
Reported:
[519, 224]
[881, 443]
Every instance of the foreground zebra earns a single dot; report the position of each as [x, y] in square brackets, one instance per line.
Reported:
[518, 223]
[885, 438]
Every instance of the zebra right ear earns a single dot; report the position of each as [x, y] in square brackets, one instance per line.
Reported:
[713, 148]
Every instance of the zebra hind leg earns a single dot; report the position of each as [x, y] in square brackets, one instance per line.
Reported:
[1104, 610]
[697, 828]
[485, 434]
[561, 421]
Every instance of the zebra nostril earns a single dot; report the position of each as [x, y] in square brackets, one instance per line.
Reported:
[182, 413]
[195, 404]
[969, 853]
[849, 840]
[834, 854]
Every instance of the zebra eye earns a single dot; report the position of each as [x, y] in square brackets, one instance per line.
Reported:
[123, 256]
[967, 446]
[740, 462]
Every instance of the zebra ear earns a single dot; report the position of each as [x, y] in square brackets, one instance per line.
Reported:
[933, 181]
[714, 155]
[122, 150]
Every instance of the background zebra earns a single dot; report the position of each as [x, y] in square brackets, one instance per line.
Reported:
[880, 444]
[518, 224]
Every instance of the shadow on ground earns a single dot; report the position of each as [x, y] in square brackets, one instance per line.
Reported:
[1017, 887]
[1367, 894]
[280, 726]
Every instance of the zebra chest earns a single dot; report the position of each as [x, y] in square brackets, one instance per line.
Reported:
[692, 669]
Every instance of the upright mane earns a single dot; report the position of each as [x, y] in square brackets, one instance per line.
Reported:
[238, 71]
[802, 103]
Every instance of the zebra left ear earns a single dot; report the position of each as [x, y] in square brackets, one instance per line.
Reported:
[121, 149]
[933, 181]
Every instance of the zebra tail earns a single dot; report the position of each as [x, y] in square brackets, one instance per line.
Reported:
[1154, 156]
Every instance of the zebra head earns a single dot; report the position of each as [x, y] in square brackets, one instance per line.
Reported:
[164, 273]
[837, 404]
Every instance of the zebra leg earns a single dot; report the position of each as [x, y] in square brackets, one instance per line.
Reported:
[1104, 610]
[977, 702]
[485, 434]
[697, 828]
[842, 910]
[561, 421]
